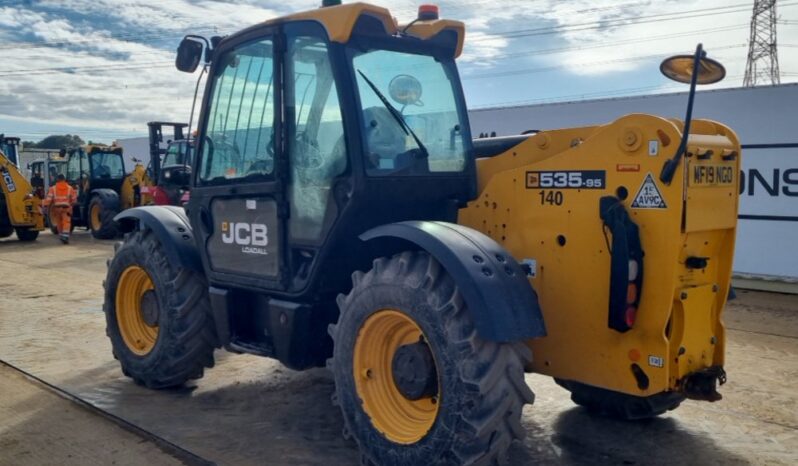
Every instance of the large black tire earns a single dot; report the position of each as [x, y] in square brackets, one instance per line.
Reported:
[482, 390]
[5, 232]
[107, 204]
[620, 405]
[186, 336]
[27, 234]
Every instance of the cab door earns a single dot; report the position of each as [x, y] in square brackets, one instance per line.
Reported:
[237, 202]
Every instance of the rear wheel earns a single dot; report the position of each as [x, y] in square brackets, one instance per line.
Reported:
[620, 405]
[102, 209]
[158, 318]
[27, 234]
[5, 232]
[415, 382]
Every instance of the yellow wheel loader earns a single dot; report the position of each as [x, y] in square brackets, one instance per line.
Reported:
[104, 187]
[19, 207]
[342, 215]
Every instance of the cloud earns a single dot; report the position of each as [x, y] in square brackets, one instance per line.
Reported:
[107, 65]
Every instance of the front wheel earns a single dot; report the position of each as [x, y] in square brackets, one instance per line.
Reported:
[158, 317]
[415, 382]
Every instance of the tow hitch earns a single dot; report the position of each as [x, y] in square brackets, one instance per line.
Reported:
[702, 385]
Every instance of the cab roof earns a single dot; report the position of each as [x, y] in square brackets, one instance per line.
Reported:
[339, 21]
[93, 148]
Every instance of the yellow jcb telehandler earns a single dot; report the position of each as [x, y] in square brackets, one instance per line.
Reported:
[19, 207]
[341, 214]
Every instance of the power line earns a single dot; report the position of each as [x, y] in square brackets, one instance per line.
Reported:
[509, 55]
[702, 32]
[558, 67]
[702, 12]
[70, 69]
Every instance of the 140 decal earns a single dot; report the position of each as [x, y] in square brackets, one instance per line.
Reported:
[566, 179]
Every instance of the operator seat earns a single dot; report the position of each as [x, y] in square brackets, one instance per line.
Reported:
[385, 140]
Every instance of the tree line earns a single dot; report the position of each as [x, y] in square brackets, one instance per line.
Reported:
[56, 141]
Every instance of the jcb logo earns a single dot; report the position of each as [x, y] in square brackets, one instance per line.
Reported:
[245, 234]
[9, 182]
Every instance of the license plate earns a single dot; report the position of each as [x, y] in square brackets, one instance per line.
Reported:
[711, 175]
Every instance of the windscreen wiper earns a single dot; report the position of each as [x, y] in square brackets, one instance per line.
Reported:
[397, 115]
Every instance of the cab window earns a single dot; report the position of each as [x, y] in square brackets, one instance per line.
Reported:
[107, 165]
[239, 135]
[77, 166]
[176, 154]
[316, 145]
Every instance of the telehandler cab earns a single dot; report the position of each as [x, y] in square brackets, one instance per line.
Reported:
[335, 143]
[19, 207]
[104, 188]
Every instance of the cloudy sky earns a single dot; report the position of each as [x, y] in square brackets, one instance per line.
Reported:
[103, 68]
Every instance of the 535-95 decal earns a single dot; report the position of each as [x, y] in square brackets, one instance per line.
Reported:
[566, 179]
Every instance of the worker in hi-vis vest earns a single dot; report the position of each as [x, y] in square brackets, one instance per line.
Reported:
[60, 199]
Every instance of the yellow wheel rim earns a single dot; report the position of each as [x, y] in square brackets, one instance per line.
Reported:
[401, 420]
[139, 337]
[95, 217]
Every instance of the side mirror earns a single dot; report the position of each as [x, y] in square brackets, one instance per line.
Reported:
[405, 90]
[189, 55]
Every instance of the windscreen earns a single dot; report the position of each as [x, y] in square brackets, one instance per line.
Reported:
[107, 165]
[410, 111]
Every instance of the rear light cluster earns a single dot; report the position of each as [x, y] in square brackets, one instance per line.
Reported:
[632, 294]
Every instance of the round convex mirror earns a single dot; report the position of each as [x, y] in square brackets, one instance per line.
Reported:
[680, 68]
[405, 90]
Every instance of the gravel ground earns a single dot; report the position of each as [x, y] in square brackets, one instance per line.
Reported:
[249, 410]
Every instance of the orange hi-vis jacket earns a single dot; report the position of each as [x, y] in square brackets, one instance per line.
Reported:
[62, 194]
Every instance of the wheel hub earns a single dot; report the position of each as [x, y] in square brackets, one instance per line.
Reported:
[136, 301]
[414, 371]
[400, 419]
[150, 311]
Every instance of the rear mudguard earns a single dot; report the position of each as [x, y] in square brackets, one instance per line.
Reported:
[494, 286]
[171, 226]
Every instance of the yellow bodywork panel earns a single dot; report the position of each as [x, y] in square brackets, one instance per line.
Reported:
[131, 188]
[340, 20]
[540, 200]
[22, 206]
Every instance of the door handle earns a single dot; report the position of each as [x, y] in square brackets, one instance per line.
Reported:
[205, 221]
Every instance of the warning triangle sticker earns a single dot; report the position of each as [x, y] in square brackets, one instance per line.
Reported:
[649, 197]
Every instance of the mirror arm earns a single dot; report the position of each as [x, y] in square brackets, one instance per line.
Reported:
[669, 168]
